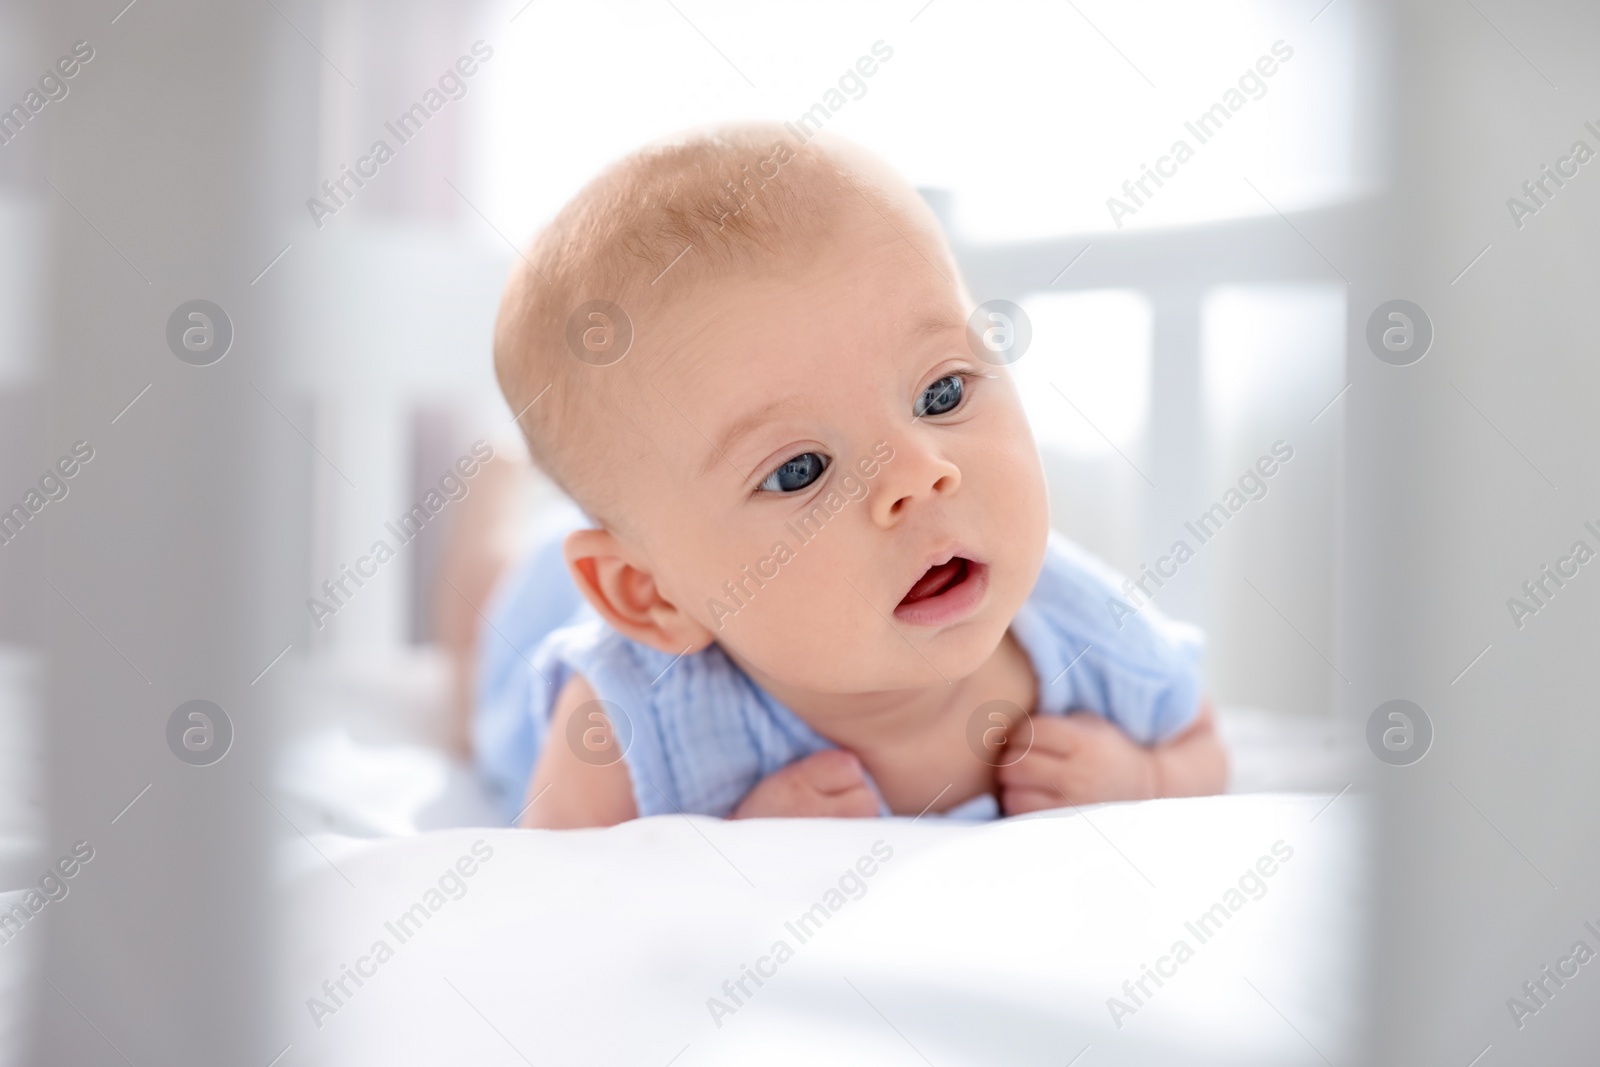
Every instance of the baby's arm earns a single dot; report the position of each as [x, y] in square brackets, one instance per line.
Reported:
[1193, 763]
[571, 792]
[1082, 758]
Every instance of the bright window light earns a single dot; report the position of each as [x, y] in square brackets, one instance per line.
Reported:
[958, 106]
[1086, 377]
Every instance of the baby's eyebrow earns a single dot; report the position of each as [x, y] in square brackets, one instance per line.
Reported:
[739, 428]
[934, 325]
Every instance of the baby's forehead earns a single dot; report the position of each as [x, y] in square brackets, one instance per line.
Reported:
[861, 297]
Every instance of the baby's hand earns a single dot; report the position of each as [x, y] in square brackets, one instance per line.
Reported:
[827, 784]
[1078, 758]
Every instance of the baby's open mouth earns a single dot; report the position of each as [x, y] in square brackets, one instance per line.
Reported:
[937, 580]
[945, 592]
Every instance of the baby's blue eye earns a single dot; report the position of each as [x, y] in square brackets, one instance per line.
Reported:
[942, 397]
[796, 473]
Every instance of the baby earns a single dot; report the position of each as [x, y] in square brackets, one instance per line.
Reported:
[818, 572]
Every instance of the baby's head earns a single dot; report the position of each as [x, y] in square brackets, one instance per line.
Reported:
[748, 360]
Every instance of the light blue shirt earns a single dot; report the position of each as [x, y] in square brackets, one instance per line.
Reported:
[698, 734]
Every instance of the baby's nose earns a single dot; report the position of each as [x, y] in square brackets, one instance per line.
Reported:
[915, 475]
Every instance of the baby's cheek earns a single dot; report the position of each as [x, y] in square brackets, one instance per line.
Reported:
[1014, 514]
[1024, 486]
[744, 581]
[1003, 475]
[794, 615]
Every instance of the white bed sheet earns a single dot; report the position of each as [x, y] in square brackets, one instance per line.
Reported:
[997, 943]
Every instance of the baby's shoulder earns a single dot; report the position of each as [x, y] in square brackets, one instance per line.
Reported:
[1078, 595]
[1093, 649]
[658, 684]
[1069, 567]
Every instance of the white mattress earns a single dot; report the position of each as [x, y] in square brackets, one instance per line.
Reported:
[997, 943]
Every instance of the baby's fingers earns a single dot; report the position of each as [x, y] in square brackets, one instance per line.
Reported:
[1019, 800]
[831, 771]
[1062, 735]
[857, 803]
[1037, 770]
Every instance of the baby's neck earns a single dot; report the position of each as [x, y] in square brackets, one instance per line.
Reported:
[917, 743]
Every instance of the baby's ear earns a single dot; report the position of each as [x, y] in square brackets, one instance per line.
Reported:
[623, 590]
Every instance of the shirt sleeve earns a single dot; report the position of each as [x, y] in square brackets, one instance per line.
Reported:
[1096, 648]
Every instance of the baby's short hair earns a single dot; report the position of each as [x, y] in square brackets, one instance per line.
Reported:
[714, 204]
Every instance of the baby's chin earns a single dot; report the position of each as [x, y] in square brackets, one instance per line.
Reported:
[878, 659]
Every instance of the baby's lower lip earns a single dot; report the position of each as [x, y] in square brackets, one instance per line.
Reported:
[951, 603]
